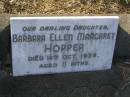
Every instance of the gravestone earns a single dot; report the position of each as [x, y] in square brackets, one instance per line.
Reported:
[46, 45]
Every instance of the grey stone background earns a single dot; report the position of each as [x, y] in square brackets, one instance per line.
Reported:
[108, 83]
[83, 84]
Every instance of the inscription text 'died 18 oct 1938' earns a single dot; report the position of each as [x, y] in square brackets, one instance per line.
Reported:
[45, 45]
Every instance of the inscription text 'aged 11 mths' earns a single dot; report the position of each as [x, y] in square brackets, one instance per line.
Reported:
[46, 45]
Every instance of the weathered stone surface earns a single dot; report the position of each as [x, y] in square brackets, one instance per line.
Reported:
[44, 45]
[63, 84]
[85, 84]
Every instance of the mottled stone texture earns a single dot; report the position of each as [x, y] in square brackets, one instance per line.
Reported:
[83, 84]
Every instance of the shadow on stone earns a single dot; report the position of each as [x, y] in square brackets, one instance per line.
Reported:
[5, 46]
[122, 47]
